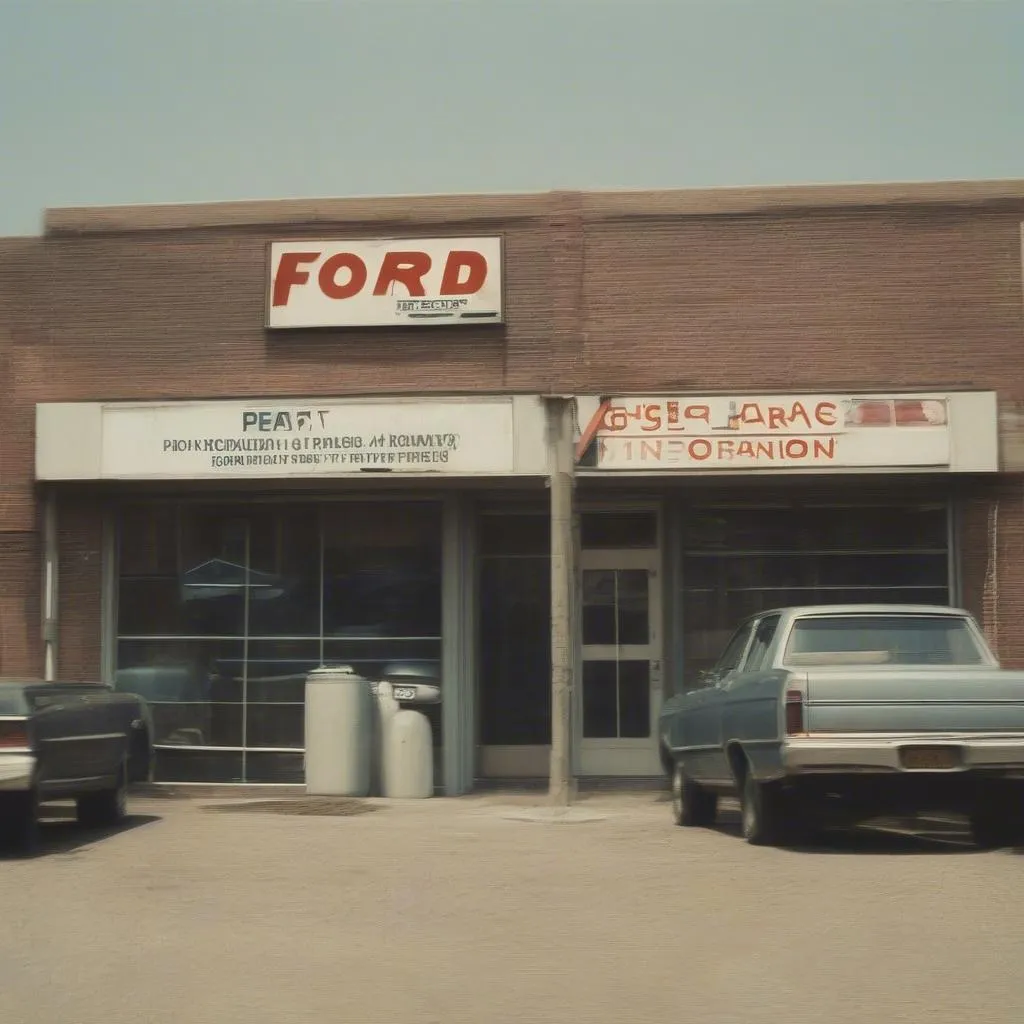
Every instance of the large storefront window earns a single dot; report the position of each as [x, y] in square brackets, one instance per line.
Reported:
[224, 609]
[738, 561]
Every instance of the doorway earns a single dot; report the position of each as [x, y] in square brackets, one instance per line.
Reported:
[620, 677]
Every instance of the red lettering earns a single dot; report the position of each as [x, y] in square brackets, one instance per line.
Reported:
[776, 416]
[756, 417]
[725, 449]
[674, 449]
[698, 412]
[615, 418]
[652, 414]
[798, 411]
[699, 449]
[766, 448]
[746, 450]
[288, 274]
[825, 413]
[825, 448]
[796, 448]
[405, 268]
[328, 276]
[475, 266]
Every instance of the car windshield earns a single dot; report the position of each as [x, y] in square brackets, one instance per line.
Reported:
[883, 639]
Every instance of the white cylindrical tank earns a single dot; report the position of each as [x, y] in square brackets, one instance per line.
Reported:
[339, 732]
[408, 756]
[387, 708]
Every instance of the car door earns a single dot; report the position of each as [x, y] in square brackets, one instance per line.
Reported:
[702, 724]
[53, 711]
[75, 742]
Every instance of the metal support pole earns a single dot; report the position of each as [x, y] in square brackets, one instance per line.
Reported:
[561, 430]
[49, 608]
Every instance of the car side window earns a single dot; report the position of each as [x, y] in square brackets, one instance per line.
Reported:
[733, 652]
[764, 634]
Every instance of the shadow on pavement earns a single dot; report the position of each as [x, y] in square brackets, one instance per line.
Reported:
[60, 833]
[923, 837]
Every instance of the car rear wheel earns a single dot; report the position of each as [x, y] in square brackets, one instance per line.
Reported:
[692, 806]
[765, 812]
[106, 807]
[997, 823]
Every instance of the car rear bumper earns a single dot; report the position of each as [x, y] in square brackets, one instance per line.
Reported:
[1001, 754]
[16, 772]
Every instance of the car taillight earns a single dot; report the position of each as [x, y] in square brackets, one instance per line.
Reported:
[13, 735]
[794, 712]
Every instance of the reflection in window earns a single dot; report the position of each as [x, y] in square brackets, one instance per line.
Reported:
[740, 561]
[616, 699]
[630, 529]
[284, 571]
[224, 609]
[515, 629]
[615, 607]
[762, 642]
[897, 640]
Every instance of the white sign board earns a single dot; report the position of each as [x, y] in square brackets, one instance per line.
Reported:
[812, 433]
[381, 283]
[273, 439]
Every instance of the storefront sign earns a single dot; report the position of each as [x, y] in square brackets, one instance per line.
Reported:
[267, 439]
[810, 433]
[381, 283]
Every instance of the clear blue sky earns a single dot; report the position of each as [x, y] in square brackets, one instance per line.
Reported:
[112, 101]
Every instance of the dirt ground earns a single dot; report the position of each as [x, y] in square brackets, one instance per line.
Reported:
[456, 910]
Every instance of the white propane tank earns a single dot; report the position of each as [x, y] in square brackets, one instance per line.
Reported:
[339, 731]
[408, 762]
[386, 709]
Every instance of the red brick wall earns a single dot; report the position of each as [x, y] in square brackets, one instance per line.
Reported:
[24, 344]
[20, 572]
[993, 566]
[80, 557]
[867, 300]
[22, 310]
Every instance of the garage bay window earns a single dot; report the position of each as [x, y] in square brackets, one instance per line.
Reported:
[223, 609]
[740, 560]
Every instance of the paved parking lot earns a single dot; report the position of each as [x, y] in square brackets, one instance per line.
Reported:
[448, 911]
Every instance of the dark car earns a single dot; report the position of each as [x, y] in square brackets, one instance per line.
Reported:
[60, 741]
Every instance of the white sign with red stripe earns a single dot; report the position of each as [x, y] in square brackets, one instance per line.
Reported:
[810, 433]
[385, 282]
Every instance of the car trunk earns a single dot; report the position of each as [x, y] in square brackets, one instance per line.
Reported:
[911, 700]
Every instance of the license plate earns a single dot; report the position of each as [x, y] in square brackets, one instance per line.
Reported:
[934, 758]
[404, 692]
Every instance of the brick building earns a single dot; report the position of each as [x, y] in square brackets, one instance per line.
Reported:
[783, 396]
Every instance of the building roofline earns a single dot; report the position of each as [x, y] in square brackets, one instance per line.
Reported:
[482, 208]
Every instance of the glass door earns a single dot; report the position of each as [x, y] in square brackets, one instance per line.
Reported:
[620, 670]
